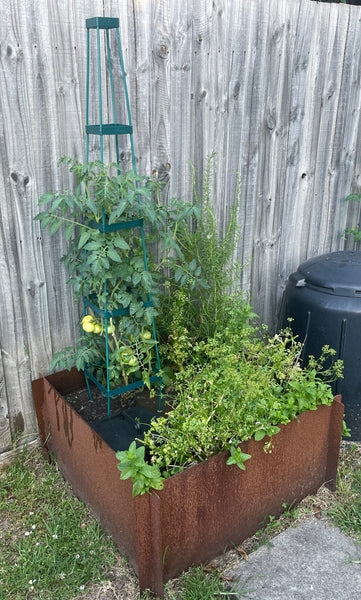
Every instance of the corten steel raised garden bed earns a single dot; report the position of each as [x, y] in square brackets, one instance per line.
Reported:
[200, 511]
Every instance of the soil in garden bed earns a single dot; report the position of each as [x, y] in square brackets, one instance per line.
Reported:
[129, 418]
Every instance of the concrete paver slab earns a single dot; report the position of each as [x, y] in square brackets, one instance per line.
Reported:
[312, 561]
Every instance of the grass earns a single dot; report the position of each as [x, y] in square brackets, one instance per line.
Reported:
[51, 545]
[345, 511]
[53, 548]
[197, 584]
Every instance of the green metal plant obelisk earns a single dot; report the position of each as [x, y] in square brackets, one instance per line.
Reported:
[104, 25]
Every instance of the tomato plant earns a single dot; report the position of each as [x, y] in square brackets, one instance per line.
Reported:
[109, 264]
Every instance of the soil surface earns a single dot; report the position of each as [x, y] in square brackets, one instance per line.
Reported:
[96, 407]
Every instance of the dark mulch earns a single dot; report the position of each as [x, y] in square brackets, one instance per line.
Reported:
[96, 407]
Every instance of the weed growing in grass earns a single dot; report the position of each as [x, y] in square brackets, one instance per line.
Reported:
[51, 545]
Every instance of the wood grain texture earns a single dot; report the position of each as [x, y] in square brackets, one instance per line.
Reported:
[5, 433]
[272, 87]
[8, 457]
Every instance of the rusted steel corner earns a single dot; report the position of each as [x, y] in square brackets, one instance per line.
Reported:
[149, 543]
[334, 441]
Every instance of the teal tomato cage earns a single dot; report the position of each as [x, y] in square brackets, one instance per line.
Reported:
[101, 26]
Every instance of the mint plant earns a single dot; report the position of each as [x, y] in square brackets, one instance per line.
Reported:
[133, 466]
[237, 458]
[109, 266]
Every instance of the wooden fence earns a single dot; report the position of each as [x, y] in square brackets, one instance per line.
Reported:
[272, 86]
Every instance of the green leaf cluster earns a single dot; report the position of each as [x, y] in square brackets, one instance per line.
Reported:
[209, 250]
[112, 263]
[240, 384]
[133, 466]
[232, 381]
[353, 232]
[238, 457]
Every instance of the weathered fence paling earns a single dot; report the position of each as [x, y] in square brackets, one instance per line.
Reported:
[272, 87]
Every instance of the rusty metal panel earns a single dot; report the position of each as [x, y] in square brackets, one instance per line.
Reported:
[212, 505]
[334, 439]
[89, 464]
[200, 511]
[150, 543]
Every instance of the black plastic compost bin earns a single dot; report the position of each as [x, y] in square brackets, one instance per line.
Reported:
[323, 298]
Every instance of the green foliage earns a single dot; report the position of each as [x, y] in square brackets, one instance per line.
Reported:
[346, 431]
[110, 266]
[206, 303]
[238, 457]
[353, 231]
[353, 197]
[197, 584]
[345, 509]
[231, 380]
[240, 384]
[51, 546]
[133, 466]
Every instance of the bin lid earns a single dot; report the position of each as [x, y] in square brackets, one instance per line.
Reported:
[337, 273]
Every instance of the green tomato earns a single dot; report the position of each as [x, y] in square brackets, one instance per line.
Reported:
[126, 355]
[111, 329]
[147, 335]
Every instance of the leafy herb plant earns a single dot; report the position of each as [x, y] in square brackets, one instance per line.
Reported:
[206, 301]
[133, 466]
[239, 385]
[232, 381]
